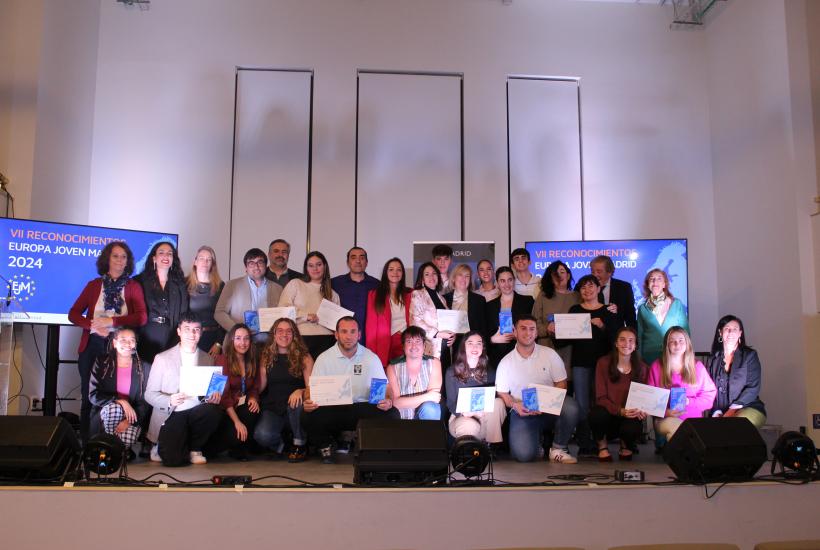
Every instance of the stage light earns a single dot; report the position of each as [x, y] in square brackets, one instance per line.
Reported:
[470, 456]
[104, 454]
[796, 455]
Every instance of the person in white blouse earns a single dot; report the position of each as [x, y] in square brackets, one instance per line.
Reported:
[424, 301]
[486, 284]
[306, 295]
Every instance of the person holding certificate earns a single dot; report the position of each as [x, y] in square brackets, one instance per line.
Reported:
[677, 368]
[471, 370]
[388, 312]
[166, 298]
[109, 301]
[358, 366]
[609, 418]
[117, 390]
[659, 312]
[527, 365]
[501, 314]
[180, 423]
[587, 351]
[240, 400]
[425, 301]
[414, 380]
[306, 295]
[461, 298]
[735, 369]
[204, 287]
[556, 296]
[286, 366]
[486, 285]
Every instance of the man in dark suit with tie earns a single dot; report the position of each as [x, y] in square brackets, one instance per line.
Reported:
[615, 294]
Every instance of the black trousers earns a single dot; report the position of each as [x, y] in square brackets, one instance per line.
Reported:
[225, 437]
[85, 362]
[187, 431]
[608, 425]
[323, 424]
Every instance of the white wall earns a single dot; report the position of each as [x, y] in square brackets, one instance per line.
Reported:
[162, 84]
[762, 151]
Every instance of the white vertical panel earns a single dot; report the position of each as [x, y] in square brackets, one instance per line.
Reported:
[271, 163]
[409, 163]
[545, 160]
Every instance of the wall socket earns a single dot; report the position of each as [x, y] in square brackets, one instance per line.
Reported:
[36, 404]
[815, 421]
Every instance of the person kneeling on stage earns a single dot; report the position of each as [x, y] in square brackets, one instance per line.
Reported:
[346, 358]
[530, 363]
[180, 424]
[240, 400]
[415, 379]
[117, 389]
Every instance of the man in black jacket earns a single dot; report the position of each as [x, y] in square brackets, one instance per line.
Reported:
[614, 293]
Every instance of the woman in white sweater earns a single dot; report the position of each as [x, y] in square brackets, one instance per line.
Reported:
[306, 294]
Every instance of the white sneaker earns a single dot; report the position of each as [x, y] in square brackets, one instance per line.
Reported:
[155, 454]
[197, 458]
[562, 456]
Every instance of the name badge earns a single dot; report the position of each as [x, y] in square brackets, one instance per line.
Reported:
[357, 369]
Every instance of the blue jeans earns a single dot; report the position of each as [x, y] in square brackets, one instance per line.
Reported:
[525, 431]
[268, 432]
[428, 411]
[583, 380]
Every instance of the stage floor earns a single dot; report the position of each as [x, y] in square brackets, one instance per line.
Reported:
[506, 470]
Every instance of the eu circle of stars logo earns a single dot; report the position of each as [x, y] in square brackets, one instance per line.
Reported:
[22, 286]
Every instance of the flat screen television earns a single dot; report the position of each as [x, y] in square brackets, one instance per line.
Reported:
[632, 259]
[45, 265]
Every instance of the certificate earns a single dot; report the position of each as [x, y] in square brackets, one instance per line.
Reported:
[550, 399]
[573, 326]
[329, 313]
[331, 390]
[648, 399]
[194, 380]
[269, 315]
[472, 400]
[453, 320]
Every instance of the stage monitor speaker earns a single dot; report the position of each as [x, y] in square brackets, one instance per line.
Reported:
[36, 448]
[706, 450]
[400, 451]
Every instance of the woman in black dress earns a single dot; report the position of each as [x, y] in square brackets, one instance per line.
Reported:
[204, 287]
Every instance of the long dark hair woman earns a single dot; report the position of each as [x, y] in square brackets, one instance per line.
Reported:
[388, 312]
[471, 369]
[285, 370]
[117, 393]
[735, 370]
[609, 417]
[204, 287]
[109, 301]
[556, 296]
[306, 295]
[166, 297]
[426, 300]
[510, 303]
[240, 400]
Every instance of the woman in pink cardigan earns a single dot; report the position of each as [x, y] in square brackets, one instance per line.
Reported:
[677, 368]
[388, 313]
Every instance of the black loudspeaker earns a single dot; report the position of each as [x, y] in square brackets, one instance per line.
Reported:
[706, 450]
[400, 451]
[37, 448]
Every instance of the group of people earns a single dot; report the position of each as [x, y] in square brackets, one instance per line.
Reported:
[138, 332]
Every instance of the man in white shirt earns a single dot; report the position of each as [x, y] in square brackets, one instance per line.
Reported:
[180, 424]
[526, 283]
[346, 358]
[530, 363]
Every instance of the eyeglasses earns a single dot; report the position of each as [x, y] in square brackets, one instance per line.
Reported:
[283, 332]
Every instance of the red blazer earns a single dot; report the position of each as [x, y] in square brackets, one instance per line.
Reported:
[377, 325]
[233, 388]
[134, 300]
